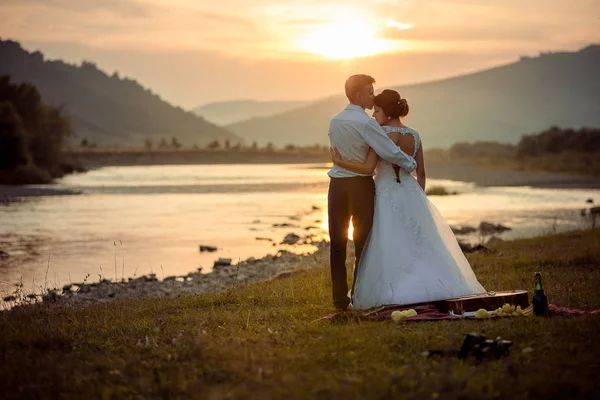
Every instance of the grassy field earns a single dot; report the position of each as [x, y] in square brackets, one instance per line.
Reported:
[257, 341]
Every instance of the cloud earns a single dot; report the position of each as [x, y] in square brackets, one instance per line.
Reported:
[228, 19]
[194, 51]
[271, 28]
[476, 25]
[468, 33]
[126, 24]
[128, 8]
[193, 78]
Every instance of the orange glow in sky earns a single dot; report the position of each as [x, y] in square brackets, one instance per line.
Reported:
[353, 36]
[197, 51]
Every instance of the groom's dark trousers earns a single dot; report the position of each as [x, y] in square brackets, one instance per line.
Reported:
[348, 198]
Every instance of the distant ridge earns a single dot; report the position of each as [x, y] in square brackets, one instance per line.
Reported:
[499, 104]
[106, 109]
[228, 112]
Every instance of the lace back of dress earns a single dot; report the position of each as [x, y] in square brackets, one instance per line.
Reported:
[403, 131]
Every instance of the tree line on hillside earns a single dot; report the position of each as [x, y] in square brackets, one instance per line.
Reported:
[556, 140]
[104, 108]
[551, 141]
[32, 136]
[555, 150]
[226, 145]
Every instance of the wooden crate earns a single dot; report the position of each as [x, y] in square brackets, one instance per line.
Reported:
[487, 301]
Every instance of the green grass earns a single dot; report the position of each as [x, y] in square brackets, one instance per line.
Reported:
[257, 341]
[438, 191]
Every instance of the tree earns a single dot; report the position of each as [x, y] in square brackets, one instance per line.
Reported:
[556, 140]
[213, 145]
[148, 144]
[254, 146]
[88, 65]
[270, 148]
[227, 144]
[175, 143]
[32, 135]
[47, 145]
[13, 141]
[84, 143]
[163, 144]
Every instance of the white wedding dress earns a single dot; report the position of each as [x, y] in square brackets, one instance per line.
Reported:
[411, 256]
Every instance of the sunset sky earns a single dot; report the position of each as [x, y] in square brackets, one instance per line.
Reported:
[194, 52]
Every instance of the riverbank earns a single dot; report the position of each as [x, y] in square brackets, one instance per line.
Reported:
[91, 158]
[480, 173]
[500, 175]
[256, 340]
[221, 277]
[10, 193]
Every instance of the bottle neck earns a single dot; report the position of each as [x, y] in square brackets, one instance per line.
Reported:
[538, 282]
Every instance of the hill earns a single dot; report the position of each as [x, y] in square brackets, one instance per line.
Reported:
[498, 104]
[229, 112]
[106, 109]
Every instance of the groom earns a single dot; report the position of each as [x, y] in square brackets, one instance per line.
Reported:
[352, 195]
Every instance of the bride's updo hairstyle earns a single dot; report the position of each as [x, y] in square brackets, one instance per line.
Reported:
[392, 104]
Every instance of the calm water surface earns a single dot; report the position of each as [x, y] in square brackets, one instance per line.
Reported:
[152, 219]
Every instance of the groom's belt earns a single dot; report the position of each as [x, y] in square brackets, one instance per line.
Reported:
[357, 177]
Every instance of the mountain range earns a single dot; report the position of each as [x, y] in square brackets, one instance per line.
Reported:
[229, 112]
[499, 104]
[103, 109]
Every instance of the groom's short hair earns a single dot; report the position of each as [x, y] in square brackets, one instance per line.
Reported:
[355, 83]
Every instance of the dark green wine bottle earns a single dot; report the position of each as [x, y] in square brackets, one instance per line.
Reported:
[539, 300]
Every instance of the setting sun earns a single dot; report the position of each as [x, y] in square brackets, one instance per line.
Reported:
[344, 40]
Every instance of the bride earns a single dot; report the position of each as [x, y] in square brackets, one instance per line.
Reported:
[411, 256]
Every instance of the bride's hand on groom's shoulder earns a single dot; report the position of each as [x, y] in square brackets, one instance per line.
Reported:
[336, 157]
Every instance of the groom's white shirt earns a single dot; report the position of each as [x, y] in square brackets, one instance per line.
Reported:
[353, 132]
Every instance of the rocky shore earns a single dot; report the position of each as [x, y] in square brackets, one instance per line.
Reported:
[10, 193]
[224, 275]
[221, 278]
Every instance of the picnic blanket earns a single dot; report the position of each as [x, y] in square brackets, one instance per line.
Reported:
[428, 312]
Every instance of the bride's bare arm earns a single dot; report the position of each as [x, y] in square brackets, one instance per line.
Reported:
[421, 176]
[360, 168]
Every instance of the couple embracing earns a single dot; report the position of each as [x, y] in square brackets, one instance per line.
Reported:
[406, 253]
